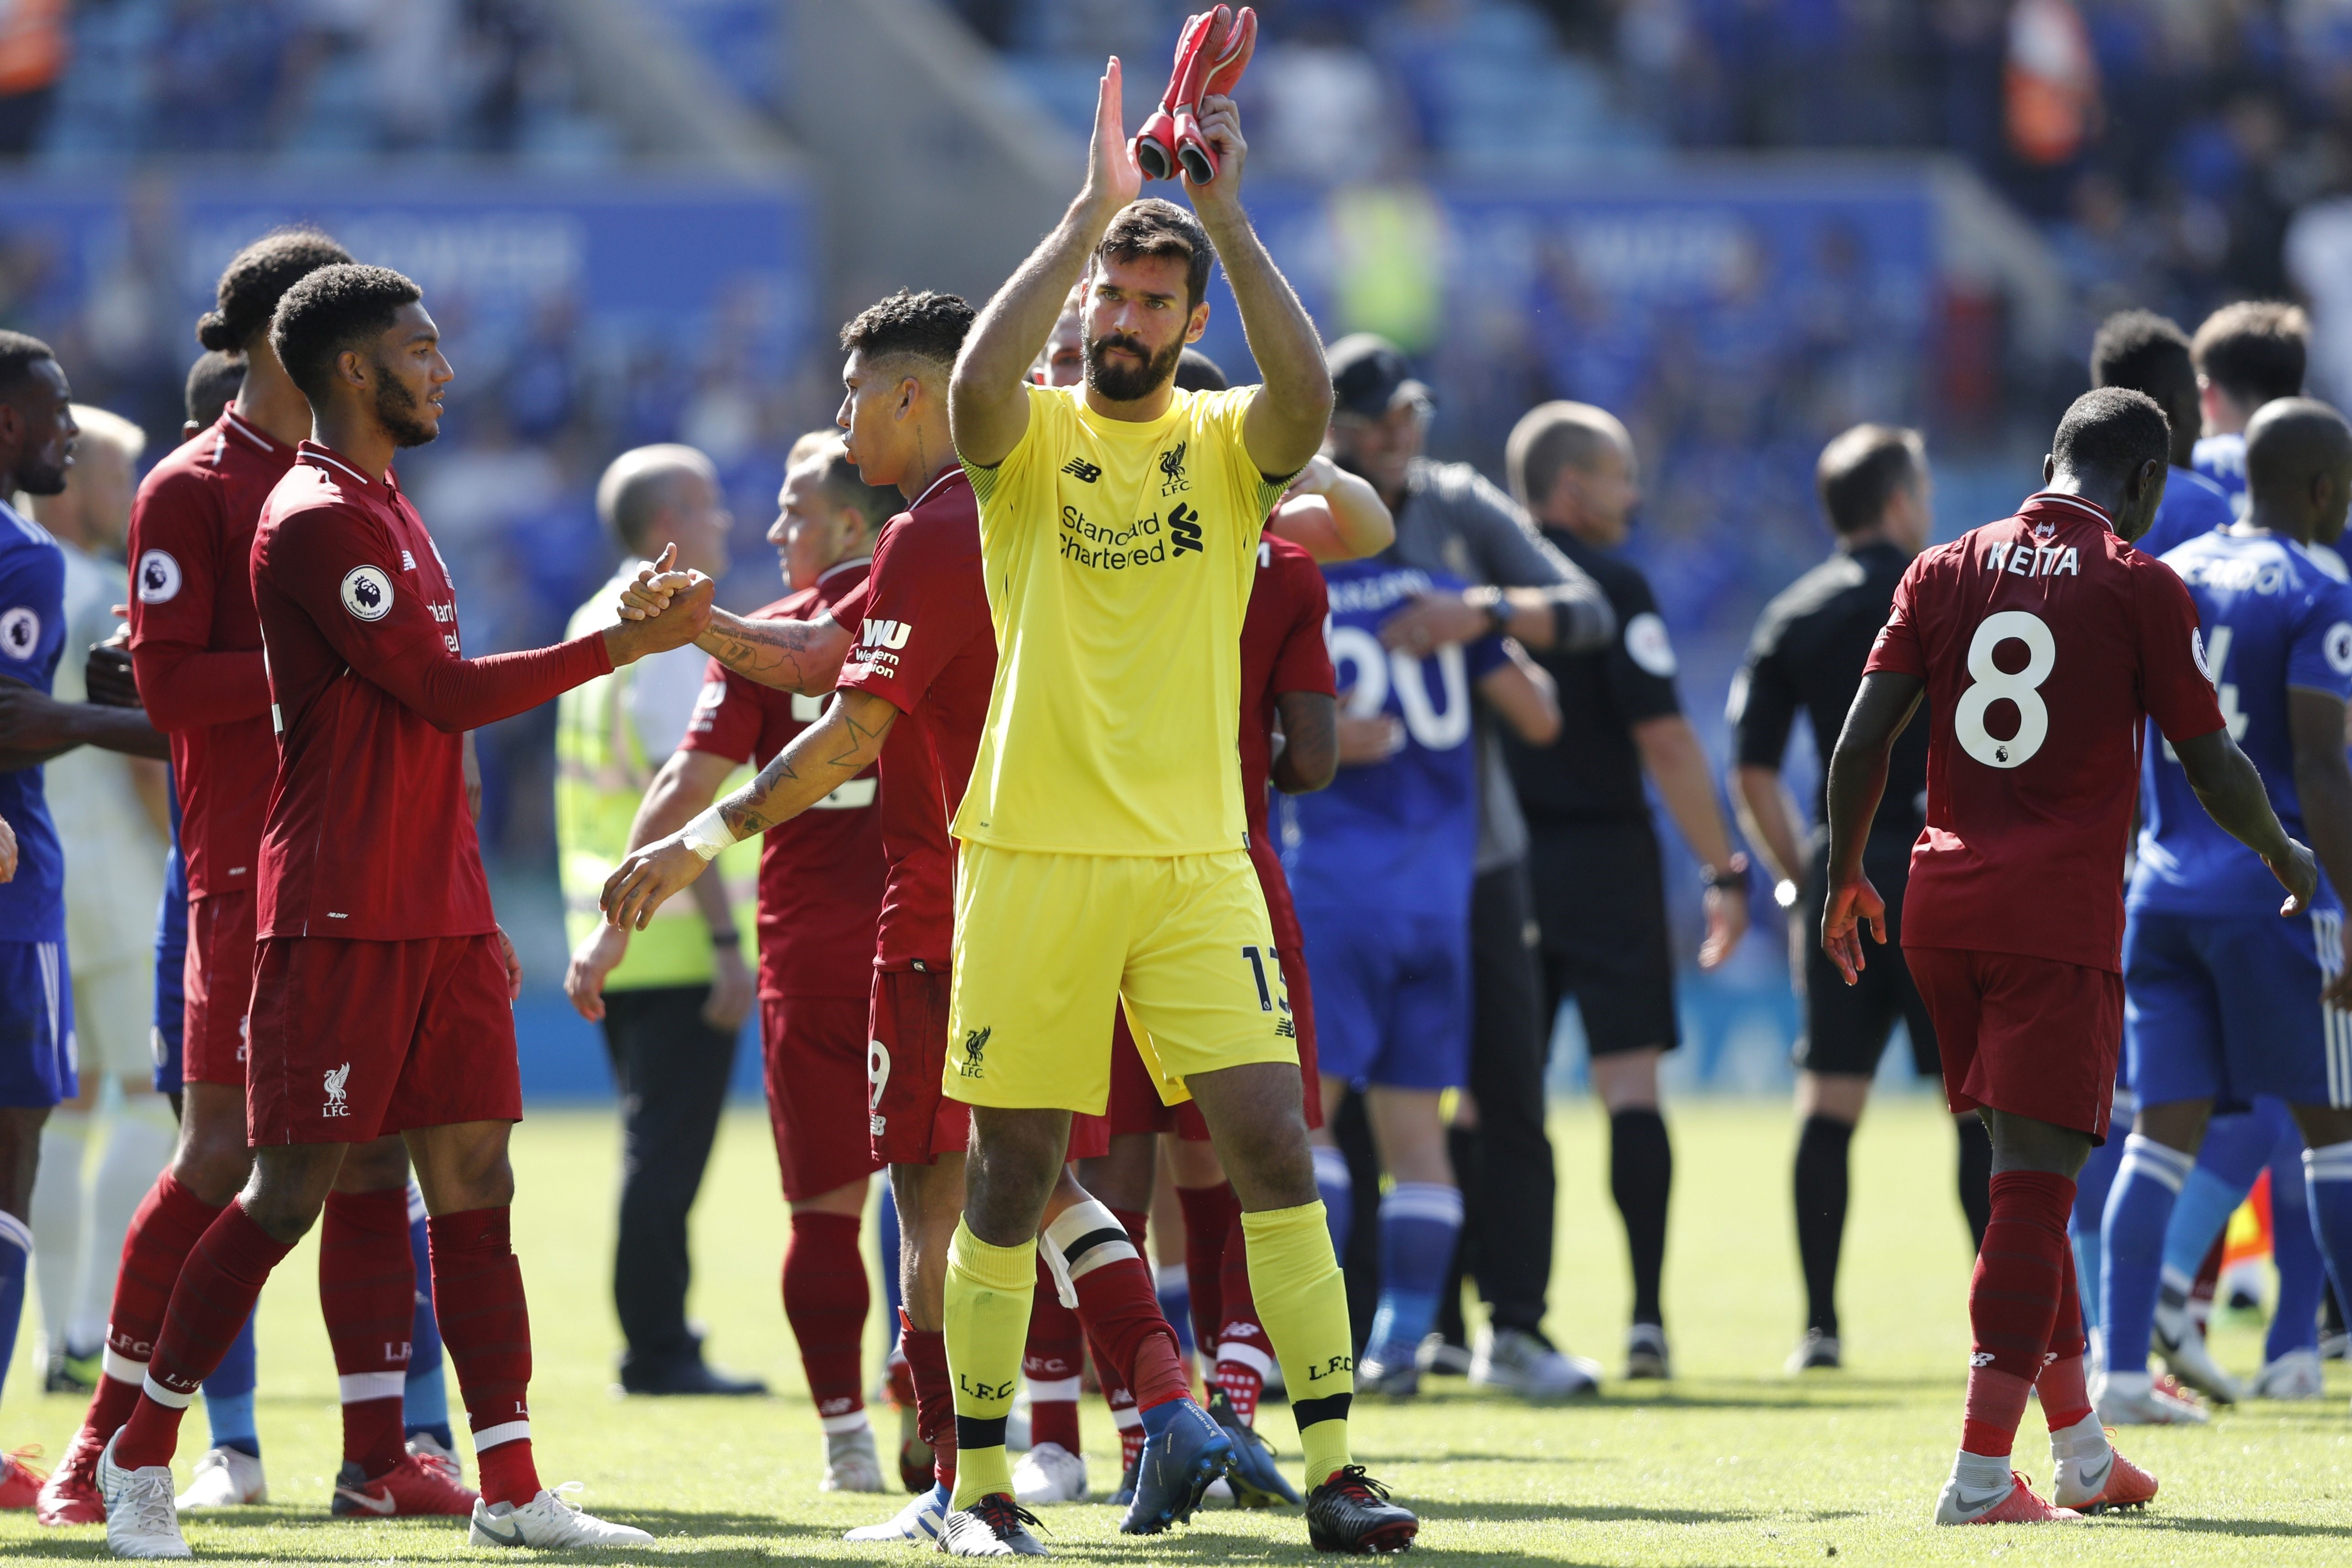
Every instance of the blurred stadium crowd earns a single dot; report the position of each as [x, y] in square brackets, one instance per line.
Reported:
[2162, 148]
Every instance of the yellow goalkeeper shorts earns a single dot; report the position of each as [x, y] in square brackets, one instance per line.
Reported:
[1047, 944]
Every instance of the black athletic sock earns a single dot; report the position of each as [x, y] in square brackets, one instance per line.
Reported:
[1821, 1146]
[1640, 1174]
[1976, 1176]
[1462, 1149]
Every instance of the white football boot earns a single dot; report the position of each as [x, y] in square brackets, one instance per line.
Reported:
[548, 1523]
[225, 1478]
[1048, 1474]
[141, 1517]
[918, 1521]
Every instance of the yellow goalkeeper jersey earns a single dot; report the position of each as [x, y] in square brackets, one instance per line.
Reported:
[1119, 559]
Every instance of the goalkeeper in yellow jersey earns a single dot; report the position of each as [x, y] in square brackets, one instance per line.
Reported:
[1104, 856]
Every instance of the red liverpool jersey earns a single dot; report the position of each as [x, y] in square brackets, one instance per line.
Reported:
[2044, 641]
[821, 875]
[367, 834]
[924, 645]
[1282, 651]
[196, 641]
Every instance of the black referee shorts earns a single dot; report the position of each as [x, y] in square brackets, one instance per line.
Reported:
[1601, 905]
[1846, 1026]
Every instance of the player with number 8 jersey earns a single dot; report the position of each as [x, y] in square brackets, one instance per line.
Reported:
[2042, 644]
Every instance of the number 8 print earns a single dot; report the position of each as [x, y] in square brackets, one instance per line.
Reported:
[1992, 684]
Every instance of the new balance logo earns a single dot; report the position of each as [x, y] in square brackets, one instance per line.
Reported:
[974, 1042]
[1079, 468]
[1183, 530]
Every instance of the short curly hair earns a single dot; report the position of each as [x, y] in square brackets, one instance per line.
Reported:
[930, 326]
[2147, 353]
[2112, 432]
[257, 278]
[334, 308]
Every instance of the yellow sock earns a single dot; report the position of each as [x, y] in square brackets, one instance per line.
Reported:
[988, 1291]
[1302, 1300]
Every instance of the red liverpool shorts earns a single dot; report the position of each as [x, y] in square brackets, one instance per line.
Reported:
[219, 981]
[2033, 1037]
[814, 1054]
[354, 1040]
[911, 1121]
[908, 1121]
[1134, 1104]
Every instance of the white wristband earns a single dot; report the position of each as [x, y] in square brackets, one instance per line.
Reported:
[708, 834]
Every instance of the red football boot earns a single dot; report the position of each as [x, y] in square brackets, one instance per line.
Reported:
[1155, 144]
[20, 1483]
[412, 1489]
[71, 1494]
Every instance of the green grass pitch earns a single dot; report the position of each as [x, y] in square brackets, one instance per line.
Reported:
[1731, 1464]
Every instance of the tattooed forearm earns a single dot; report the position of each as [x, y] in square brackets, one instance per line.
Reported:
[789, 656]
[820, 759]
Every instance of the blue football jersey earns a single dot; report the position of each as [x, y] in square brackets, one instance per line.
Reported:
[2272, 618]
[1402, 835]
[32, 634]
[2192, 505]
[2222, 459]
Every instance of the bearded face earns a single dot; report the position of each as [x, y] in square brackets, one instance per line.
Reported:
[1127, 380]
[401, 410]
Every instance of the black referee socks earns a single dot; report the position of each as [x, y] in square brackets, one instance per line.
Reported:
[1640, 1174]
[1821, 1147]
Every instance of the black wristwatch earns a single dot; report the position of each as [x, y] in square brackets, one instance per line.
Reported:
[1734, 875]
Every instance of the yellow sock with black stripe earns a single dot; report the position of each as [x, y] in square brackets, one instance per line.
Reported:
[988, 1292]
[1302, 1300]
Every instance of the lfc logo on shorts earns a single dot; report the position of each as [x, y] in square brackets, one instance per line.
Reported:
[974, 1042]
[335, 1080]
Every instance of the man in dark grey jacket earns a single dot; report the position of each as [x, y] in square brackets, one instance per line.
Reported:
[1450, 519]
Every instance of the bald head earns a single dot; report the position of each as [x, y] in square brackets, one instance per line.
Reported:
[641, 485]
[1572, 465]
[2299, 469]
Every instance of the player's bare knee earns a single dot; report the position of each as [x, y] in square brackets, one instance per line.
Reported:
[212, 1160]
[1123, 1177]
[372, 1167]
[289, 1187]
[1011, 1170]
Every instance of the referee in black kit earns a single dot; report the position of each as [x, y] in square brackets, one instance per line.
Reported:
[1600, 897]
[1808, 654]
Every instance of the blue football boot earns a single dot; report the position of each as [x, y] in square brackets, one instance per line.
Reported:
[1177, 1466]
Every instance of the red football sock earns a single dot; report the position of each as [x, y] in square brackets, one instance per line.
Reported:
[1208, 1216]
[1051, 1364]
[926, 1357]
[825, 1298]
[367, 1291]
[1245, 1355]
[478, 1296]
[162, 1233]
[2062, 1385]
[2013, 1303]
[217, 1286]
[1121, 1313]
